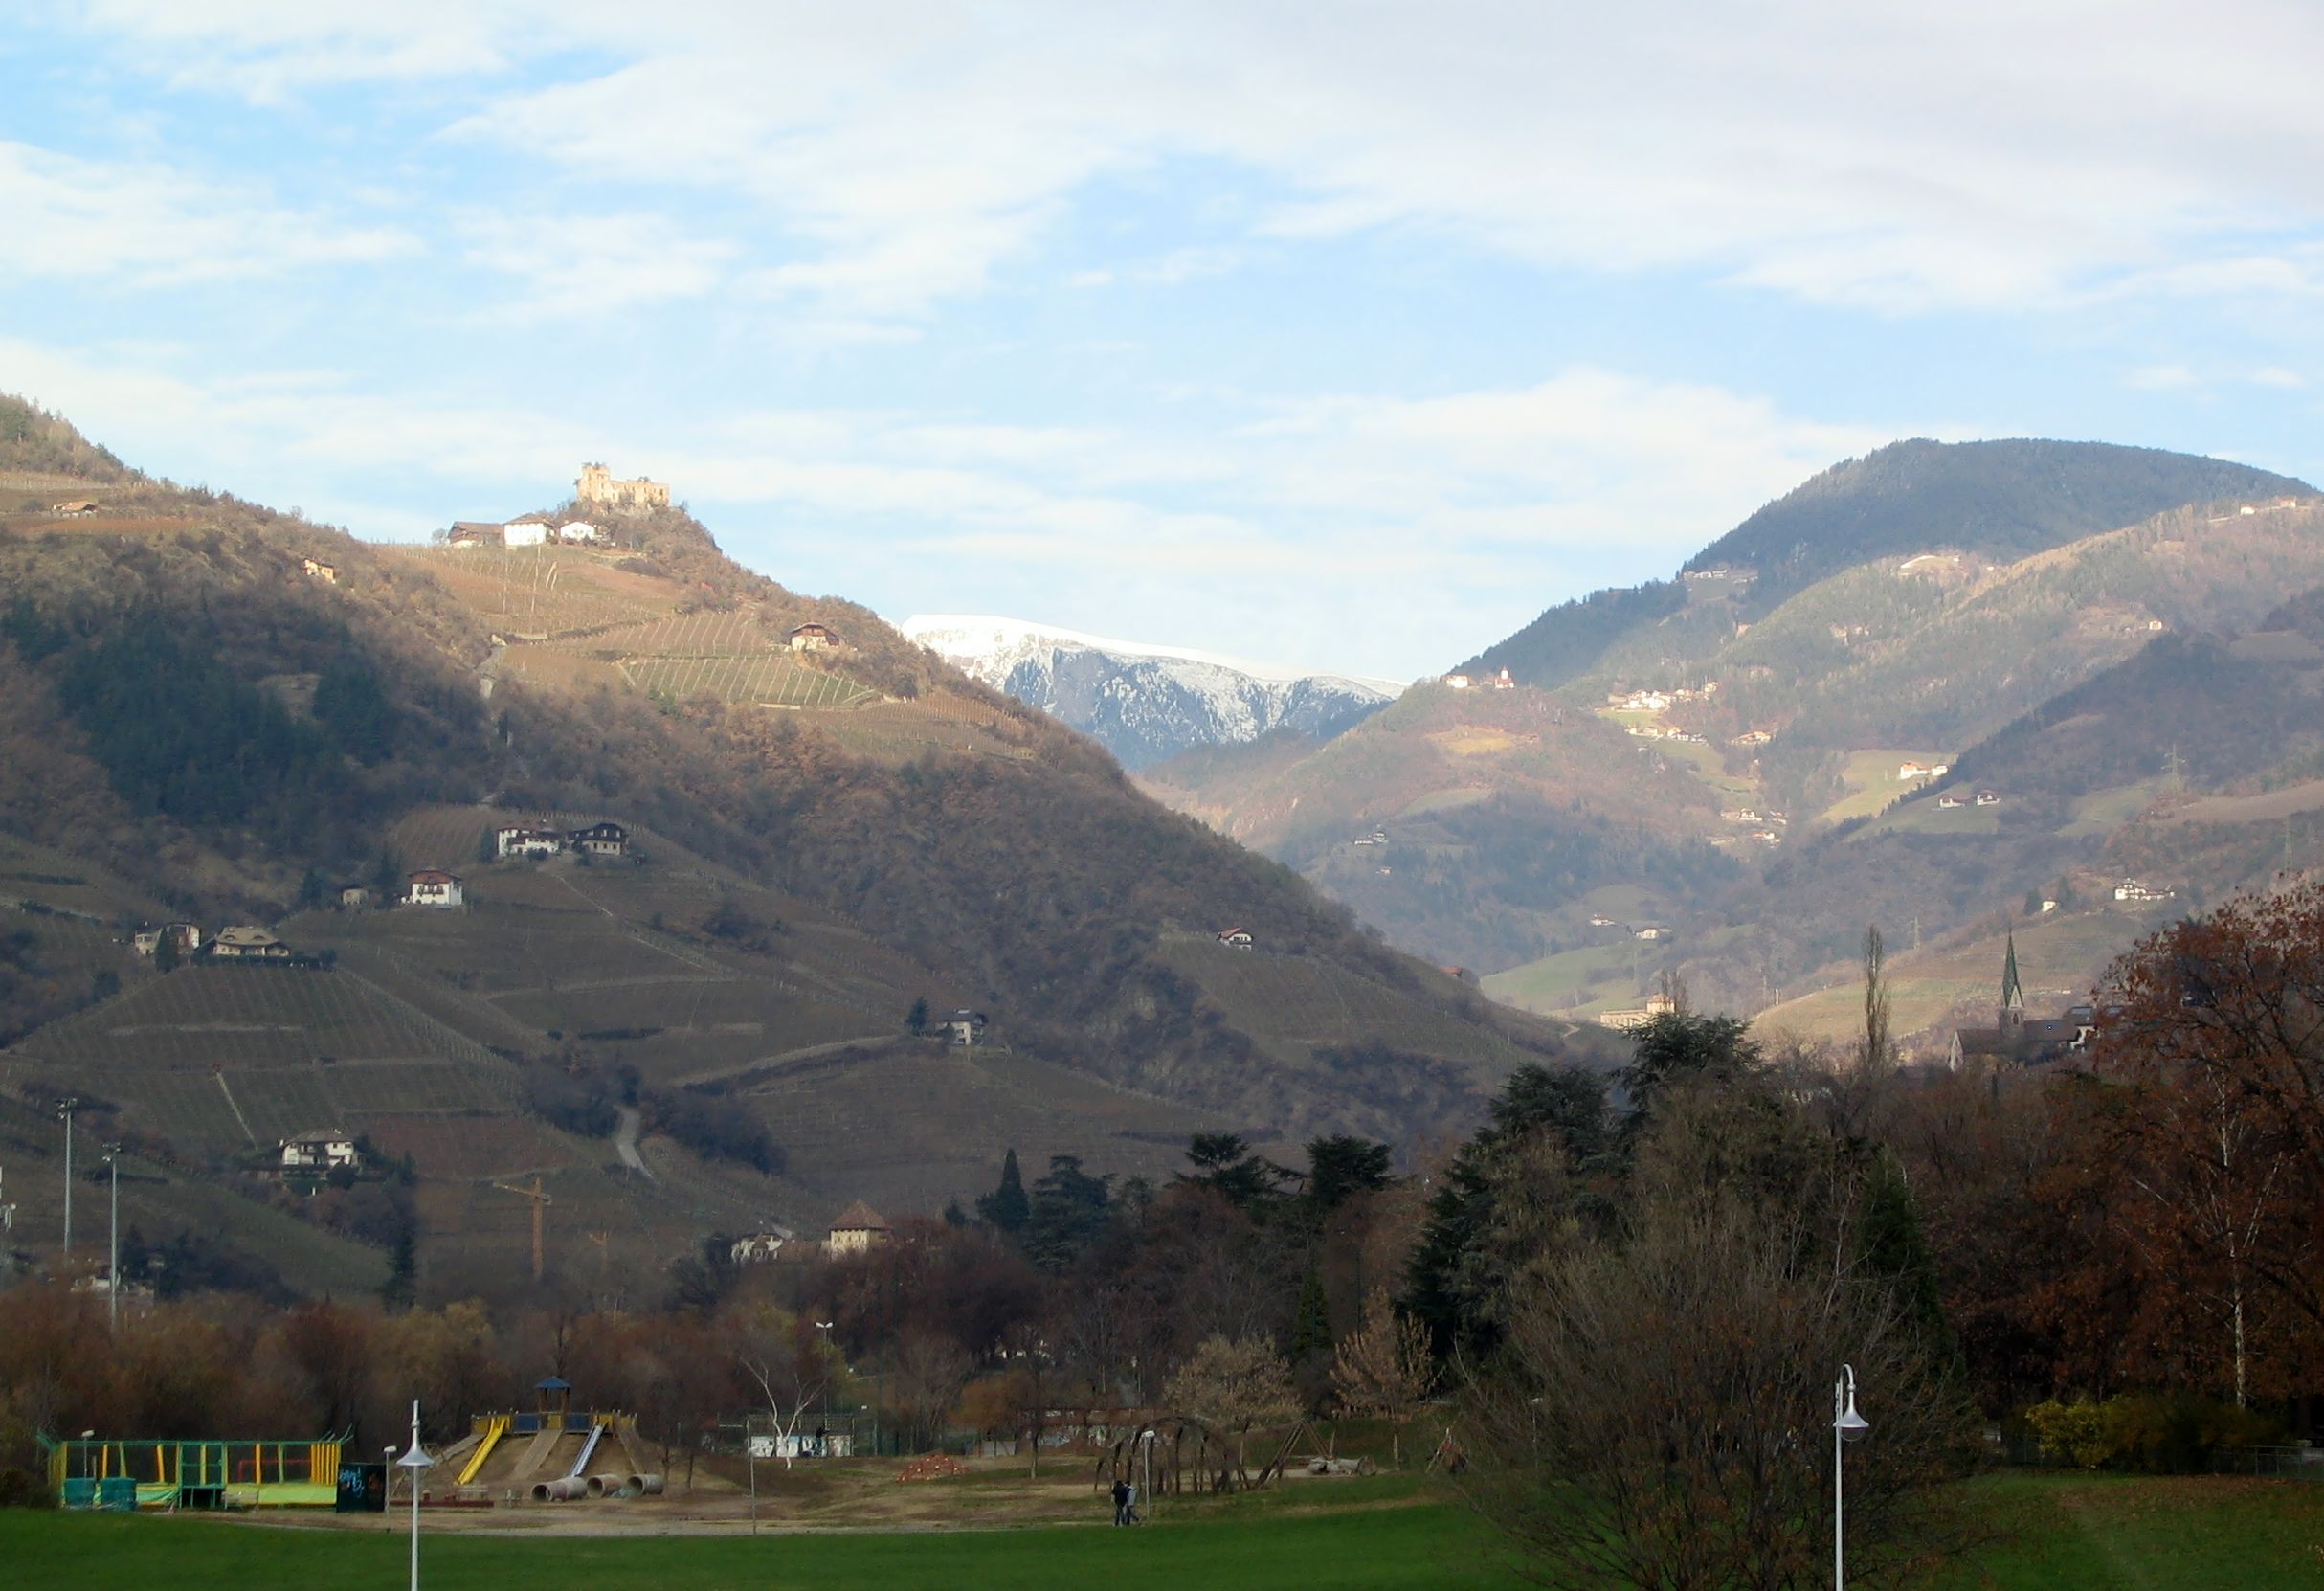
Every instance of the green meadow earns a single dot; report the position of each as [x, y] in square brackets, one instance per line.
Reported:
[2056, 1533]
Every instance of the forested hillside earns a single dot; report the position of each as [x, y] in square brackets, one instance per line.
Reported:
[1976, 607]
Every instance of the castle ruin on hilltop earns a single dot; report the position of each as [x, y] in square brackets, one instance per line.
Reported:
[599, 487]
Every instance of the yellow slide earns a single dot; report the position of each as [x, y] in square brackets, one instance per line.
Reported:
[493, 1432]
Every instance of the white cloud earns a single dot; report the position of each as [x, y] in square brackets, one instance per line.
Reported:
[1322, 527]
[2161, 378]
[583, 266]
[147, 225]
[1989, 153]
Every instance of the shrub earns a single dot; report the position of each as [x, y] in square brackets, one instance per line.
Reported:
[2154, 1433]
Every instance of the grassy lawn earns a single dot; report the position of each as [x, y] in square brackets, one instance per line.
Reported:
[2056, 1533]
[2101, 1533]
[1870, 777]
[1594, 974]
[1380, 1549]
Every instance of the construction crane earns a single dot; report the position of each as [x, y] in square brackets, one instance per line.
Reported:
[540, 1202]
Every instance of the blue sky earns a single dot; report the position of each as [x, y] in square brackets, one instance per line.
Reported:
[1348, 336]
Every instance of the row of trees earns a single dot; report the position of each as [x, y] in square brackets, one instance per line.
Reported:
[1635, 1288]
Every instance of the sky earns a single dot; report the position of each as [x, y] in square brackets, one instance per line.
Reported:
[1344, 336]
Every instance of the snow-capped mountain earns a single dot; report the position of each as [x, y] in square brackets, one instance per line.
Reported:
[1143, 703]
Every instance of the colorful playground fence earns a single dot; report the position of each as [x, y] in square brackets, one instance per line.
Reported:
[154, 1472]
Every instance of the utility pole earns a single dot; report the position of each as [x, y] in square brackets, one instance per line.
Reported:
[113, 1258]
[540, 1201]
[64, 1110]
[604, 1261]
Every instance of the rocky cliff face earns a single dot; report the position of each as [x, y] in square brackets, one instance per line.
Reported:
[1145, 702]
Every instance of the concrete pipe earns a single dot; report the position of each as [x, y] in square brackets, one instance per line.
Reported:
[605, 1486]
[565, 1491]
[540, 1492]
[650, 1485]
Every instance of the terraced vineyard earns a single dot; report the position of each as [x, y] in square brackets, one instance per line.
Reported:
[1299, 1003]
[474, 1148]
[732, 634]
[204, 1017]
[544, 591]
[762, 680]
[911, 1127]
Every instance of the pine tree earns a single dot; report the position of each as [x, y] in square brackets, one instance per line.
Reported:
[916, 1023]
[1311, 1322]
[402, 1286]
[1006, 1208]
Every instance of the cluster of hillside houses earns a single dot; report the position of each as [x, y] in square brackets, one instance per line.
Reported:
[240, 942]
[532, 530]
[1491, 682]
[858, 1230]
[543, 839]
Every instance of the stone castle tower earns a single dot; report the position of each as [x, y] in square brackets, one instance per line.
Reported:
[598, 488]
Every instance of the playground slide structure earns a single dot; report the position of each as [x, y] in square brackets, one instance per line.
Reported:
[493, 1432]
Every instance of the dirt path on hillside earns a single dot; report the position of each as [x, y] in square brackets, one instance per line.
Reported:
[625, 1142]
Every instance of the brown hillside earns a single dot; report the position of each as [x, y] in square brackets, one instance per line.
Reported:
[237, 735]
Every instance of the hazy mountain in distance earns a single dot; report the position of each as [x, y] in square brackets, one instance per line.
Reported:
[1998, 500]
[1145, 702]
[2095, 642]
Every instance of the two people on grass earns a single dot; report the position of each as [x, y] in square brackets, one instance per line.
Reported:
[1125, 1503]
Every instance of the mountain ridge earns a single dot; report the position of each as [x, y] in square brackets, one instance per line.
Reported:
[1146, 703]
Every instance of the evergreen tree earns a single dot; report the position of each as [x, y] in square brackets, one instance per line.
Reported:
[1006, 1209]
[402, 1286]
[916, 1023]
[1069, 1210]
[1447, 1282]
[1341, 1167]
[1679, 1044]
[1223, 1161]
[1312, 1336]
[356, 716]
[165, 952]
[1894, 1245]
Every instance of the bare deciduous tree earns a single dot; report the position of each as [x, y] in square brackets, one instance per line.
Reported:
[1234, 1383]
[1660, 1414]
[786, 1358]
[1385, 1368]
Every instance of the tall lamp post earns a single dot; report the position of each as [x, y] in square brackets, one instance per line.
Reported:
[113, 1244]
[64, 1113]
[416, 1459]
[1846, 1426]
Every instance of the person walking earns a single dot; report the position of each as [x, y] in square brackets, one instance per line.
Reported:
[1121, 1501]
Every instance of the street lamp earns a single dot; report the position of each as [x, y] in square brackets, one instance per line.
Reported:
[64, 1113]
[416, 1459]
[113, 1257]
[822, 1449]
[1846, 1426]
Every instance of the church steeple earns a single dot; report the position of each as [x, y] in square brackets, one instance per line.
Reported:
[2013, 992]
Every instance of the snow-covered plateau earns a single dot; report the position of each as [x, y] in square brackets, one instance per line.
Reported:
[1145, 702]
